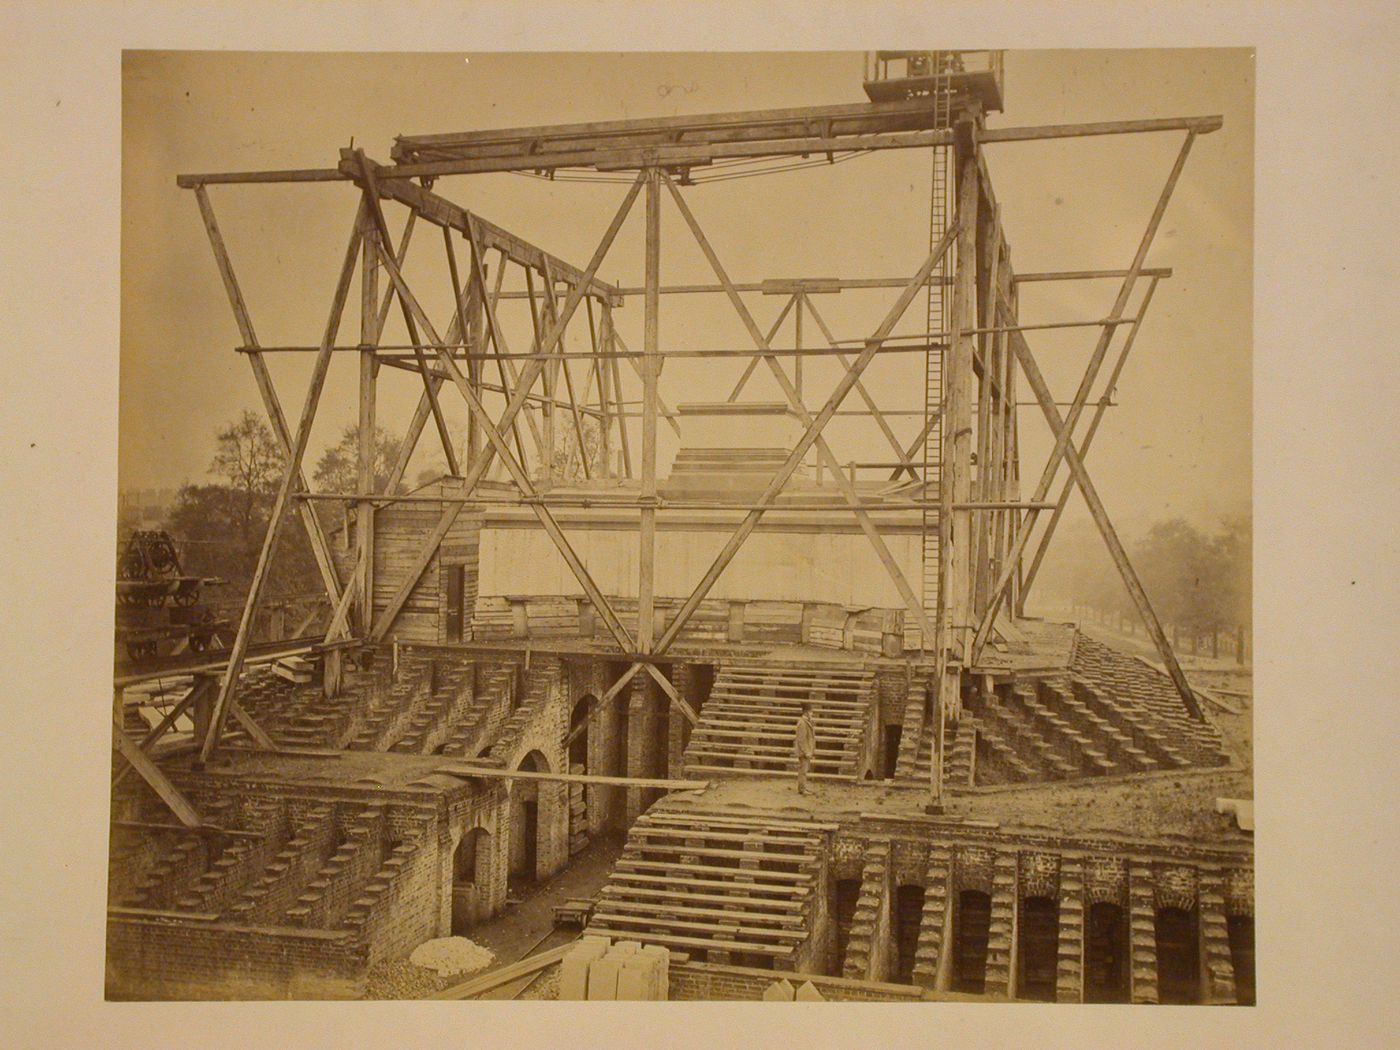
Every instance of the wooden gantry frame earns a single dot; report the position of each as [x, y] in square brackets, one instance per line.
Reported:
[985, 524]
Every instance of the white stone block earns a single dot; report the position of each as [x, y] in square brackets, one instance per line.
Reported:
[602, 977]
[573, 971]
[779, 991]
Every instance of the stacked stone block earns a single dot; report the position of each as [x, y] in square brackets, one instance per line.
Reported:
[933, 930]
[866, 949]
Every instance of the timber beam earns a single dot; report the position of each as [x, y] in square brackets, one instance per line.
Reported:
[391, 185]
[689, 142]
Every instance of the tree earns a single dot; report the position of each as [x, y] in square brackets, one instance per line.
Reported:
[221, 526]
[251, 462]
[338, 469]
[568, 463]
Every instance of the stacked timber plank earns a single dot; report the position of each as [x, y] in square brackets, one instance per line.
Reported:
[722, 887]
[748, 724]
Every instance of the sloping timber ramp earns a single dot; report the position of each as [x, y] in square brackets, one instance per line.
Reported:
[721, 887]
[749, 723]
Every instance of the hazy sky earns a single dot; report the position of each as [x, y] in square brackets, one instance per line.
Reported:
[1180, 443]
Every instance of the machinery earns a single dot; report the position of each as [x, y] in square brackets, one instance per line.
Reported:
[157, 602]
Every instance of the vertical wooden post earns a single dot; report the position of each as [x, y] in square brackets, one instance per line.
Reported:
[364, 511]
[646, 586]
[797, 361]
[956, 554]
[954, 527]
[604, 397]
[476, 318]
[609, 346]
[986, 466]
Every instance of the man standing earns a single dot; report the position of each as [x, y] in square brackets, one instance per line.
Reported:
[805, 743]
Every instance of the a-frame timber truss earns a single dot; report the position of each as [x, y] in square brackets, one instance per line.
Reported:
[984, 524]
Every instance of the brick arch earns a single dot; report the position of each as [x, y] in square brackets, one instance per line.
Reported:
[973, 869]
[1106, 881]
[1239, 892]
[1039, 875]
[1174, 886]
[538, 820]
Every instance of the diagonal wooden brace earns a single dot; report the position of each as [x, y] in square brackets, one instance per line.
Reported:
[847, 487]
[152, 775]
[1100, 516]
[1091, 372]
[477, 469]
[229, 688]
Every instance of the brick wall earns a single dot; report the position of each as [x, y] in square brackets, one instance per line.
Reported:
[155, 958]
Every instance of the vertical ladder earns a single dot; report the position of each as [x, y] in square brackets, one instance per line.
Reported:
[938, 320]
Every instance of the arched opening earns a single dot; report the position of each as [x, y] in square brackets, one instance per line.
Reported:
[1240, 929]
[1039, 931]
[890, 756]
[972, 925]
[579, 729]
[1178, 957]
[526, 828]
[843, 911]
[581, 797]
[908, 916]
[1106, 954]
[468, 874]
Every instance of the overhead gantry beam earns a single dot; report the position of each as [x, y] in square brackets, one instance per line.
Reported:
[690, 142]
[804, 133]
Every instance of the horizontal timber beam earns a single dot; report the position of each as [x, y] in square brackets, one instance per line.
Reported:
[392, 353]
[463, 769]
[836, 285]
[660, 503]
[576, 149]
[700, 128]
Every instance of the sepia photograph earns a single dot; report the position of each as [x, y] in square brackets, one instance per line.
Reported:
[565, 525]
[763, 526]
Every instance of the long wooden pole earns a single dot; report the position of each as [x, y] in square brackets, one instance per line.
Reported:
[228, 690]
[478, 467]
[809, 437]
[153, 775]
[551, 309]
[646, 555]
[989, 385]
[609, 338]
[842, 482]
[1099, 412]
[1063, 439]
[1100, 516]
[369, 368]
[320, 548]
[956, 474]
